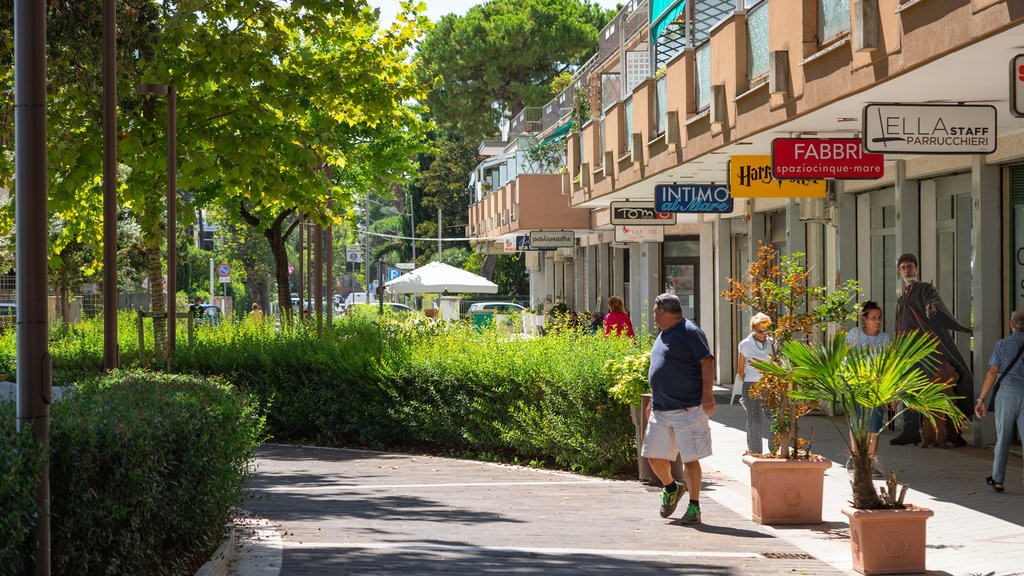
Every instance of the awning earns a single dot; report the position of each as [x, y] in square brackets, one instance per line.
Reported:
[558, 133]
[663, 13]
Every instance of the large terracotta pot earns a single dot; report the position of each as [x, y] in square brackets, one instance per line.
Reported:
[888, 541]
[786, 491]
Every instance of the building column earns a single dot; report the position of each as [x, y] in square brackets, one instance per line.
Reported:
[715, 239]
[846, 237]
[990, 320]
[796, 229]
[908, 212]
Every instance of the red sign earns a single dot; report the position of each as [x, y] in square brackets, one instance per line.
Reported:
[831, 158]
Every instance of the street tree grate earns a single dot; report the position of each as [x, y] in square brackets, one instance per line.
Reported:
[787, 556]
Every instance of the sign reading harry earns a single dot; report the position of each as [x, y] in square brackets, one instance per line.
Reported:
[693, 198]
[929, 128]
[751, 177]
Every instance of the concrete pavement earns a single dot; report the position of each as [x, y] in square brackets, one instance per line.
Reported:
[320, 511]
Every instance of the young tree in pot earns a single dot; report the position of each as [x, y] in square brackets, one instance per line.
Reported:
[780, 287]
[858, 379]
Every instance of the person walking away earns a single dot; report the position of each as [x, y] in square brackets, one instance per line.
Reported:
[756, 346]
[870, 335]
[196, 309]
[682, 374]
[256, 314]
[1006, 375]
[921, 308]
[617, 322]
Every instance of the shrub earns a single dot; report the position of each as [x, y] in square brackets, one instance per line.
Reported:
[143, 470]
[20, 458]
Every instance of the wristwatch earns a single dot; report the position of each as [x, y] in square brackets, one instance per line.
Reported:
[980, 399]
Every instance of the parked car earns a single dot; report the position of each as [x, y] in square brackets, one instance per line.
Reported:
[496, 308]
[8, 315]
[393, 307]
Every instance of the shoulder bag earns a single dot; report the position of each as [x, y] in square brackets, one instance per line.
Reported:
[995, 389]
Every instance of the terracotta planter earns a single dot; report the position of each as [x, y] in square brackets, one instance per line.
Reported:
[786, 491]
[888, 541]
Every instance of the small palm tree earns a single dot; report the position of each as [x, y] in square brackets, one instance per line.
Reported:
[858, 379]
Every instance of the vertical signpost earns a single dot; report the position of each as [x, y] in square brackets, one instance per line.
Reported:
[224, 273]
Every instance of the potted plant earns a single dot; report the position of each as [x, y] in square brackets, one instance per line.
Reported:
[854, 380]
[787, 484]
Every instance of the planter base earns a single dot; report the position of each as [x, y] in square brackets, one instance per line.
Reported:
[786, 491]
[888, 541]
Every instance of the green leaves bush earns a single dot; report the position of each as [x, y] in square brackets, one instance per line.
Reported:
[144, 468]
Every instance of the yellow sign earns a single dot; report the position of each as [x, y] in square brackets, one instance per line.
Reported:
[751, 177]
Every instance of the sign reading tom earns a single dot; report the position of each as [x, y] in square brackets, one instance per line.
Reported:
[929, 129]
[693, 198]
[752, 177]
[553, 239]
[639, 214]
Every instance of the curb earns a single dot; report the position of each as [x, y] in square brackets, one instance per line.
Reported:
[222, 557]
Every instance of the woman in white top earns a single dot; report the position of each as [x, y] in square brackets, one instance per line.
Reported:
[757, 346]
[869, 335]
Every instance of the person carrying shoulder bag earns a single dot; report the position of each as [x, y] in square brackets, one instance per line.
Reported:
[1005, 379]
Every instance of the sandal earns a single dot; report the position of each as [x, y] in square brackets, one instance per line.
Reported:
[997, 486]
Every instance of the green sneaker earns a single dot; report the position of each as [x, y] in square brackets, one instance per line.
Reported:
[669, 500]
[692, 515]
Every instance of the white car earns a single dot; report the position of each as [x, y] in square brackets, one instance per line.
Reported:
[496, 307]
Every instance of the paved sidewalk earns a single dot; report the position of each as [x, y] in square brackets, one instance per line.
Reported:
[324, 511]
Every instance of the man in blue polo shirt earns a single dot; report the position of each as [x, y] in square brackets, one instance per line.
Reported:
[681, 376]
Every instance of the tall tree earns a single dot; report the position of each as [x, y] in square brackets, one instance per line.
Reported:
[501, 56]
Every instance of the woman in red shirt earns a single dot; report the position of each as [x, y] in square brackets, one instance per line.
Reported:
[617, 321]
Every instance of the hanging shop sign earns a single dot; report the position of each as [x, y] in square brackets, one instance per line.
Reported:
[1017, 86]
[829, 158]
[929, 129]
[639, 214]
[752, 177]
[552, 239]
[639, 234]
[693, 198]
[522, 244]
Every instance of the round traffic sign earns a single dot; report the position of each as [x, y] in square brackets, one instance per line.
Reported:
[223, 270]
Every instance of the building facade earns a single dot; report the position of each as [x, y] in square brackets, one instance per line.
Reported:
[696, 96]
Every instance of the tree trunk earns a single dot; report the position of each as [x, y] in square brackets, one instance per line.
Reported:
[276, 238]
[157, 301]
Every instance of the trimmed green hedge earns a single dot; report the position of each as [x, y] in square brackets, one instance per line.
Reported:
[144, 468]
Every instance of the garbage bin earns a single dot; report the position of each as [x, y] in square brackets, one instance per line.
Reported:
[481, 319]
[640, 417]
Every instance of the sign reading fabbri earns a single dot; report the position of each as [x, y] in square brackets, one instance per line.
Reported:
[831, 158]
[693, 198]
[639, 214]
[929, 129]
[752, 177]
[556, 239]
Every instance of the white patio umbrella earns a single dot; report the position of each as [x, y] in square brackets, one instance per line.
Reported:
[440, 277]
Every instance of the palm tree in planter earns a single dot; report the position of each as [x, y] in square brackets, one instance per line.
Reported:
[855, 380]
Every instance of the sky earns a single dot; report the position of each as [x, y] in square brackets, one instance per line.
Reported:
[438, 8]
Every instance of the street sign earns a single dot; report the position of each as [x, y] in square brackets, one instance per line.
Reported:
[1017, 86]
[393, 273]
[929, 128]
[353, 254]
[692, 198]
[830, 158]
[639, 214]
[223, 270]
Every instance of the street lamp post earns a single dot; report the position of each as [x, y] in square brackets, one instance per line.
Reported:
[172, 176]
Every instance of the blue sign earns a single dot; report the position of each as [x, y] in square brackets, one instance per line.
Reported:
[393, 273]
[693, 198]
[523, 245]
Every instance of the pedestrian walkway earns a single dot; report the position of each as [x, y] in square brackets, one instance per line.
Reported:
[319, 511]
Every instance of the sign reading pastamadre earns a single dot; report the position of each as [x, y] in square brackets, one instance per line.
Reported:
[554, 239]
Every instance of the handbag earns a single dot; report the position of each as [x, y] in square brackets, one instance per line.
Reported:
[995, 389]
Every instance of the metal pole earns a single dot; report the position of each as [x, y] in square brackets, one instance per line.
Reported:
[330, 264]
[172, 217]
[110, 359]
[212, 292]
[318, 274]
[366, 265]
[439, 234]
[33, 357]
[412, 224]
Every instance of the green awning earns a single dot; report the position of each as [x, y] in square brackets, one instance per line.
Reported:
[663, 13]
[558, 133]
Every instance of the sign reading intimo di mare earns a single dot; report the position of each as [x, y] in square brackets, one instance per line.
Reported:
[693, 198]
